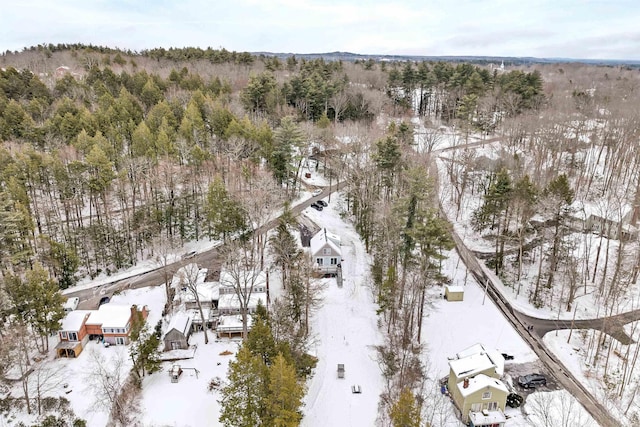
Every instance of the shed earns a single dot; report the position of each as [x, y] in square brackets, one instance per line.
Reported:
[453, 293]
[178, 332]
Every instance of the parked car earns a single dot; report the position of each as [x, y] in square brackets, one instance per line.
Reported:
[316, 206]
[322, 203]
[507, 356]
[104, 300]
[514, 400]
[71, 304]
[188, 255]
[316, 192]
[532, 380]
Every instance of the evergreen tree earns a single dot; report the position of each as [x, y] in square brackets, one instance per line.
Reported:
[243, 398]
[405, 412]
[285, 394]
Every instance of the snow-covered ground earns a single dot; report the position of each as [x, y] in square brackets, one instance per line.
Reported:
[345, 331]
[188, 402]
[74, 379]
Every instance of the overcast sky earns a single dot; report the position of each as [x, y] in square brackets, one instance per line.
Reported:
[594, 29]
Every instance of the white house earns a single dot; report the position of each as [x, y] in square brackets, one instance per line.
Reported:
[183, 282]
[255, 288]
[326, 251]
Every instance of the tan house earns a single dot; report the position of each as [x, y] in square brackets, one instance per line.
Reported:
[482, 401]
[326, 251]
[475, 387]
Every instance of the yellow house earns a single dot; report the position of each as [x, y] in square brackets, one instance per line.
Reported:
[475, 387]
[483, 401]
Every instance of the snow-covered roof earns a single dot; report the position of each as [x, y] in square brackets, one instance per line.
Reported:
[248, 278]
[322, 238]
[207, 291]
[487, 418]
[73, 321]
[110, 316]
[231, 301]
[454, 289]
[480, 382]
[476, 358]
[233, 323]
[188, 273]
[181, 322]
[611, 211]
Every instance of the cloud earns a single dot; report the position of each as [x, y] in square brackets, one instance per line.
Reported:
[429, 27]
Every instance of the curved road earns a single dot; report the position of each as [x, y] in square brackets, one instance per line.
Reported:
[519, 320]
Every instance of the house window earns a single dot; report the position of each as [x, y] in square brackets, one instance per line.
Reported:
[486, 395]
[73, 336]
[319, 261]
[493, 406]
[119, 340]
[334, 261]
[63, 335]
[326, 251]
[476, 407]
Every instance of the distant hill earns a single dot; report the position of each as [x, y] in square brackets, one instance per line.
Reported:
[510, 60]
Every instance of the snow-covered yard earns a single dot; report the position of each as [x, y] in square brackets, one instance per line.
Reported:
[345, 332]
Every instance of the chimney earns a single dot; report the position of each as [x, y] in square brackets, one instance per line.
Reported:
[465, 384]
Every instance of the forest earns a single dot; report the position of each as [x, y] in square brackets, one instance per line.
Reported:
[110, 156]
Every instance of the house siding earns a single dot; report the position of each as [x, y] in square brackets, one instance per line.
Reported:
[497, 395]
[175, 336]
[453, 382]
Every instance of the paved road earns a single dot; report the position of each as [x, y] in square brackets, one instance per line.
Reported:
[518, 320]
[89, 298]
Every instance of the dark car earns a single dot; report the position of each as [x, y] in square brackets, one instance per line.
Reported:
[322, 203]
[532, 381]
[316, 206]
[190, 254]
[514, 400]
[104, 300]
[507, 356]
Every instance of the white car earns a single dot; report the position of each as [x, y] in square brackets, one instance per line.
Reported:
[317, 192]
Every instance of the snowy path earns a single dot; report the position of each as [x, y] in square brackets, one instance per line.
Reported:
[345, 329]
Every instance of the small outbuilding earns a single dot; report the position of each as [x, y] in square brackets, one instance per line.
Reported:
[453, 293]
[178, 332]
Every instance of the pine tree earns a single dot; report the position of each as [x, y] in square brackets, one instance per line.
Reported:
[243, 398]
[405, 412]
[285, 394]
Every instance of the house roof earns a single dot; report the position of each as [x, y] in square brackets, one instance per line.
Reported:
[72, 322]
[614, 212]
[110, 316]
[207, 291]
[227, 301]
[250, 278]
[474, 359]
[454, 289]
[233, 323]
[181, 322]
[187, 273]
[480, 382]
[322, 238]
[487, 418]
